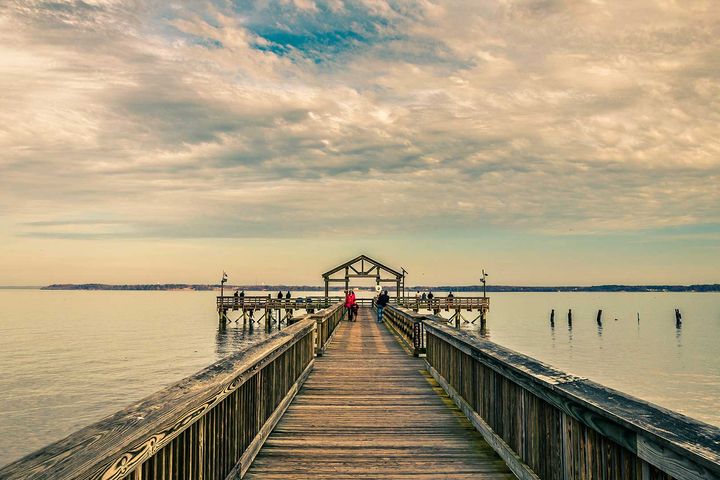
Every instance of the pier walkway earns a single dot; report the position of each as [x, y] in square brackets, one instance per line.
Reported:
[370, 410]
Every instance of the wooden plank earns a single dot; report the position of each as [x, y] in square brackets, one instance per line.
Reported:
[367, 411]
[669, 461]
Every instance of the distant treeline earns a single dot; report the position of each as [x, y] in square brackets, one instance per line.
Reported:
[447, 288]
[595, 288]
[103, 286]
[178, 286]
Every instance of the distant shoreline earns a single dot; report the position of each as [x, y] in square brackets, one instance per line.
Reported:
[443, 288]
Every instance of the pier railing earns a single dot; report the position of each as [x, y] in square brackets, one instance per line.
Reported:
[409, 325]
[259, 302]
[327, 321]
[548, 424]
[207, 426]
[443, 303]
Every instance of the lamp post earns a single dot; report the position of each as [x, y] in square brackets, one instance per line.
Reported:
[404, 272]
[222, 284]
[482, 279]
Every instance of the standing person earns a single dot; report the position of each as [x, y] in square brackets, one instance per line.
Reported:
[423, 296]
[280, 294]
[382, 302]
[349, 302]
[287, 295]
[430, 295]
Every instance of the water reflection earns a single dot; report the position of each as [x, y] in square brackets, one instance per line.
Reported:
[485, 332]
[230, 337]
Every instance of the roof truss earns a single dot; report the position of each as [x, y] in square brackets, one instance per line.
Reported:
[363, 266]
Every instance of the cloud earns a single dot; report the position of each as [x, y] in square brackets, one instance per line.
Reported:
[125, 119]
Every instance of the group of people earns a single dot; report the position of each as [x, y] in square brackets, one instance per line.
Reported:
[241, 294]
[424, 296]
[352, 307]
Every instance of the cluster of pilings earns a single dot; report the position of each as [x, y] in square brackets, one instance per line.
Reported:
[599, 319]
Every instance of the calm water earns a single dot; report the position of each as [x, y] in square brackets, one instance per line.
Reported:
[69, 358]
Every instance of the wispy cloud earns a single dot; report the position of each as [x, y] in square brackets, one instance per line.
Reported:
[293, 117]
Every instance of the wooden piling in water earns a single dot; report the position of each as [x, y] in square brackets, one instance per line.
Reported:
[678, 318]
[599, 317]
[552, 317]
[570, 317]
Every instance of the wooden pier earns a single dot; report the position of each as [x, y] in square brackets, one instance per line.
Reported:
[370, 410]
[269, 310]
[326, 398]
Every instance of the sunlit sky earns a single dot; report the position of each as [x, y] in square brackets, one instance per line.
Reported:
[547, 141]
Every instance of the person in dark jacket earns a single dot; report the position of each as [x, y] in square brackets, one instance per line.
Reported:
[382, 302]
[287, 295]
[280, 295]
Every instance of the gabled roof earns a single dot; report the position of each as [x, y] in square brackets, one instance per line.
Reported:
[367, 259]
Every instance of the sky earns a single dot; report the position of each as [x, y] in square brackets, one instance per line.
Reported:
[548, 142]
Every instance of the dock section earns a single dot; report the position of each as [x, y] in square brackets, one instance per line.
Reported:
[369, 409]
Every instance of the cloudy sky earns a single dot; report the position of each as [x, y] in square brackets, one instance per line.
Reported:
[548, 141]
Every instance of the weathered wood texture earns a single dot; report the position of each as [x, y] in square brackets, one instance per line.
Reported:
[369, 410]
[327, 321]
[409, 325]
[198, 428]
[566, 427]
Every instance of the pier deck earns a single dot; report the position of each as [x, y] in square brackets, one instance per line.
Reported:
[370, 410]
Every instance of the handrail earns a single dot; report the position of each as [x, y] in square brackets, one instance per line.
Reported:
[440, 303]
[209, 425]
[549, 424]
[256, 302]
[327, 321]
[409, 325]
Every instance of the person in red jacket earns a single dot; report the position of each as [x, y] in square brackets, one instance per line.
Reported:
[349, 302]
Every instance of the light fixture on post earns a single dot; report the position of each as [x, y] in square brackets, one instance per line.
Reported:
[484, 276]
